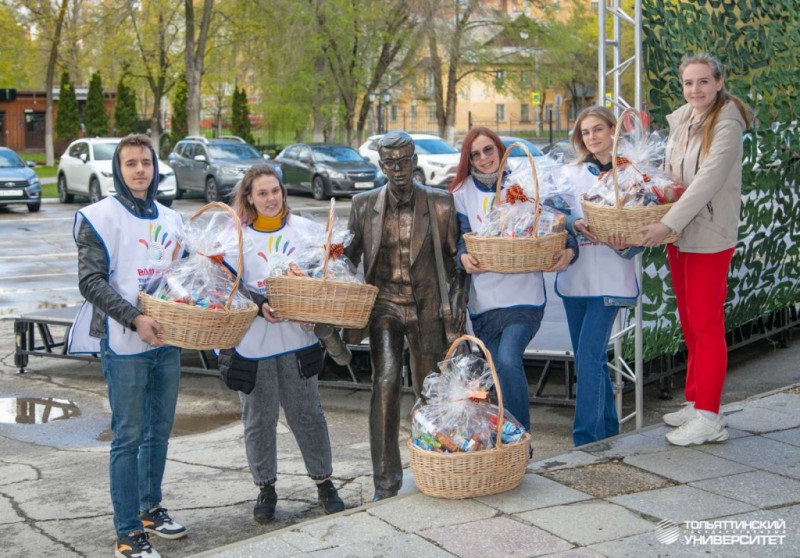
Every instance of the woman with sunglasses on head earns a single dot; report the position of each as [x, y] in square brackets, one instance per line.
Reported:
[592, 290]
[506, 310]
[705, 152]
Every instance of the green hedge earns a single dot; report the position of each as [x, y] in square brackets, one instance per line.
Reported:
[758, 42]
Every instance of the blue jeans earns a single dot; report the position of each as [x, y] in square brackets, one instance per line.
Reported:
[507, 350]
[142, 392]
[590, 322]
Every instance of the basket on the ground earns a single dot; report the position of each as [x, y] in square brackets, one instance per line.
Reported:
[192, 327]
[471, 474]
[324, 301]
[516, 255]
[605, 221]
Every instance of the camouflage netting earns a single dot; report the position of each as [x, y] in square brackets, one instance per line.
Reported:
[758, 42]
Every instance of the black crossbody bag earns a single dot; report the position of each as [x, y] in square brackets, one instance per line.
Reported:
[310, 361]
[237, 372]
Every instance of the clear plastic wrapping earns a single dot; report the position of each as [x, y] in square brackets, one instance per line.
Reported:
[311, 262]
[454, 414]
[515, 218]
[641, 179]
[201, 278]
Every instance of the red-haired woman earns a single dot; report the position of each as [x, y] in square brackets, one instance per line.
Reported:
[505, 309]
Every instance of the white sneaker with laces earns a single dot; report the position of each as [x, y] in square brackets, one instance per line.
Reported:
[699, 430]
[681, 417]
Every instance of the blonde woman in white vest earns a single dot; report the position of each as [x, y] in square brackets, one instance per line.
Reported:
[601, 281]
[705, 152]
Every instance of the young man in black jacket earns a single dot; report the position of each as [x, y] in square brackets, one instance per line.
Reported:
[123, 241]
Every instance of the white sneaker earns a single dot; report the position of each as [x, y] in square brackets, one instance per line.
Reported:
[699, 430]
[679, 418]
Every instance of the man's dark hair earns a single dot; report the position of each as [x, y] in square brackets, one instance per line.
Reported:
[396, 139]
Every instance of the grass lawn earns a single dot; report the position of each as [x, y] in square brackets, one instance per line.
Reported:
[49, 191]
[43, 171]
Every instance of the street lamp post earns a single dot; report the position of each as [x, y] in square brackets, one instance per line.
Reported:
[383, 100]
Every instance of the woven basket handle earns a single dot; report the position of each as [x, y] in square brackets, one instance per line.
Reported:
[614, 150]
[498, 201]
[238, 223]
[500, 415]
[331, 215]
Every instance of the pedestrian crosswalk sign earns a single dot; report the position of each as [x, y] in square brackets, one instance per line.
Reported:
[536, 98]
[609, 102]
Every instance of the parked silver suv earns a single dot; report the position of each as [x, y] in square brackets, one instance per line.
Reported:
[213, 166]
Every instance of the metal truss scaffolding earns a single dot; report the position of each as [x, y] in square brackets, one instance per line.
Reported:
[611, 14]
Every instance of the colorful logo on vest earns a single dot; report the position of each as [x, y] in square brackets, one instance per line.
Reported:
[488, 204]
[277, 245]
[157, 244]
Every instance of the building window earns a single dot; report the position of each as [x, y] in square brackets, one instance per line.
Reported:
[393, 113]
[499, 79]
[432, 112]
[429, 84]
[500, 114]
[525, 112]
[413, 112]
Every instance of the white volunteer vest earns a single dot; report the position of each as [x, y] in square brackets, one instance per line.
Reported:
[599, 271]
[138, 248]
[489, 290]
[263, 339]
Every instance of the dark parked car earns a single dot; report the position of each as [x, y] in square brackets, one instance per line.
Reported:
[214, 166]
[327, 170]
[18, 183]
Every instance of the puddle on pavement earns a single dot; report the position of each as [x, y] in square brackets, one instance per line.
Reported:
[190, 424]
[36, 410]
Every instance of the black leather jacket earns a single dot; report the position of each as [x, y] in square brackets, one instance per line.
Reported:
[93, 264]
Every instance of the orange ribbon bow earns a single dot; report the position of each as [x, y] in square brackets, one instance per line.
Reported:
[336, 250]
[516, 194]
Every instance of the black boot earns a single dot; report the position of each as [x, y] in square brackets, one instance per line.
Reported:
[382, 494]
[264, 510]
[329, 497]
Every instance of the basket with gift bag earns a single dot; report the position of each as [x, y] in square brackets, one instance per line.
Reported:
[323, 298]
[518, 235]
[198, 302]
[462, 446]
[636, 192]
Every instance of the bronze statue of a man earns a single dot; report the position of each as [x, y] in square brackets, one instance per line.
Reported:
[401, 230]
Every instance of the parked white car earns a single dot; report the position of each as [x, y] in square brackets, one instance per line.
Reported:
[85, 170]
[437, 160]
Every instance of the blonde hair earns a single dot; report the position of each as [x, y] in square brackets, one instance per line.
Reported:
[576, 139]
[722, 97]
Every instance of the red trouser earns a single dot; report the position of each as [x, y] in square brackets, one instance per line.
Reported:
[700, 282]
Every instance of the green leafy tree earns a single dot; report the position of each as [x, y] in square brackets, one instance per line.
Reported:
[125, 114]
[179, 120]
[240, 117]
[68, 120]
[95, 116]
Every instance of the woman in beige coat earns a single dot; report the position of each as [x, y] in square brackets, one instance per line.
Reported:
[705, 152]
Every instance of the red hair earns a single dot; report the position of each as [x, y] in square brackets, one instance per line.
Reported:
[464, 166]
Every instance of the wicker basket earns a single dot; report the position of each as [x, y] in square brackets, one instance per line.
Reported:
[324, 301]
[604, 221]
[191, 327]
[516, 255]
[471, 474]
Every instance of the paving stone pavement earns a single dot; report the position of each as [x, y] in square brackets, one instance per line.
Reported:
[738, 498]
